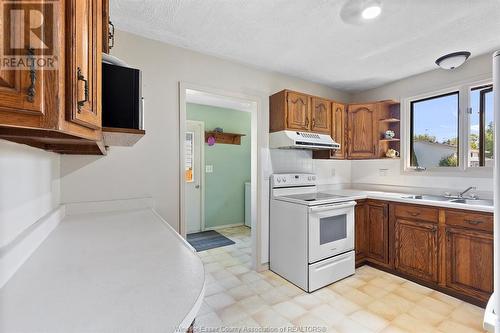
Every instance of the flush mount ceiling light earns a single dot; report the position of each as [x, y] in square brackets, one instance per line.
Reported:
[360, 12]
[453, 60]
[371, 12]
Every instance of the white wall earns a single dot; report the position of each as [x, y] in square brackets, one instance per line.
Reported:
[29, 188]
[368, 172]
[150, 168]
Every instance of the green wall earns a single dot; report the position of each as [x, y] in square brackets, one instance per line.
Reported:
[225, 186]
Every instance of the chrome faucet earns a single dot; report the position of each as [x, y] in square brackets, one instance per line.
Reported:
[461, 194]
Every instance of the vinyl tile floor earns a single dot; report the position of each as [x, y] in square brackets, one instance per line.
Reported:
[239, 299]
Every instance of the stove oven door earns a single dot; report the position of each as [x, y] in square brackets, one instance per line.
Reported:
[331, 230]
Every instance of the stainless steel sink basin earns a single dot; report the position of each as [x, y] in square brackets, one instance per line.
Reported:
[475, 202]
[428, 197]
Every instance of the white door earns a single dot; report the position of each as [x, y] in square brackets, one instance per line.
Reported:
[195, 135]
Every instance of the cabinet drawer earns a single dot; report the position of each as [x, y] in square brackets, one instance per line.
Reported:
[417, 212]
[470, 220]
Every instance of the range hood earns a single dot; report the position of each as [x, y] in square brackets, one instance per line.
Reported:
[301, 140]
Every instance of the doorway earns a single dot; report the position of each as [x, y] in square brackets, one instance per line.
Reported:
[218, 166]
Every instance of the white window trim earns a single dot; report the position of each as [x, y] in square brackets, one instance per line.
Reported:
[463, 132]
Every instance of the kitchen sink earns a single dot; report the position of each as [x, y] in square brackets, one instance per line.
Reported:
[475, 202]
[427, 197]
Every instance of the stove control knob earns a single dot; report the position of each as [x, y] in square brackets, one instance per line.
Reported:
[313, 177]
[284, 180]
[278, 180]
[309, 178]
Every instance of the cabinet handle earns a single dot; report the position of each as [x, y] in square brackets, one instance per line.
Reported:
[81, 77]
[31, 89]
[413, 213]
[307, 121]
[473, 222]
[313, 123]
[111, 35]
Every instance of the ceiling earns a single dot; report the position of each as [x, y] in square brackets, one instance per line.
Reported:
[201, 97]
[310, 39]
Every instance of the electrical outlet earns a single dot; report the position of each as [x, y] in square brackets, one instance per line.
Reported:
[382, 172]
[209, 168]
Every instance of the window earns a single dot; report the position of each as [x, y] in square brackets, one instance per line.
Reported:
[481, 136]
[434, 131]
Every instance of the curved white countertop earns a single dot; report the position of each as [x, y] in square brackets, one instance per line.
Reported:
[106, 272]
[356, 194]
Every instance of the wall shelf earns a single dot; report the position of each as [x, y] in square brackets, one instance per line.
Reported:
[123, 137]
[224, 138]
[390, 120]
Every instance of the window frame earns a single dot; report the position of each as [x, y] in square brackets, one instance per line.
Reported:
[464, 107]
[484, 89]
[411, 136]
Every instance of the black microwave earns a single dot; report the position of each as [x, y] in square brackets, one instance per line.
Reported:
[122, 102]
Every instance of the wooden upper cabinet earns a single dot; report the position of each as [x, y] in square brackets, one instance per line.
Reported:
[84, 31]
[290, 110]
[377, 232]
[297, 111]
[362, 131]
[339, 128]
[469, 259]
[56, 108]
[21, 89]
[416, 249]
[321, 115]
[105, 27]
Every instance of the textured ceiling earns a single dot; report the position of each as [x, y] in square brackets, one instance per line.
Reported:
[309, 39]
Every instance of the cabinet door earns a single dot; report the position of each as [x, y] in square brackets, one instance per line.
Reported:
[297, 115]
[361, 232]
[378, 232]
[21, 89]
[338, 128]
[321, 121]
[362, 131]
[469, 261]
[84, 27]
[416, 249]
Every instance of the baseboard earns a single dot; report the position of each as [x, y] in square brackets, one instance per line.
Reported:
[262, 267]
[74, 208]
[15, 254]
[225, 226]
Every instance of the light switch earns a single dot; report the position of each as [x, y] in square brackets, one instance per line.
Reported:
[209, 168]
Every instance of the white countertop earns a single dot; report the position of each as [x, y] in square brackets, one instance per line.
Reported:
[105, 272]
[357, 194]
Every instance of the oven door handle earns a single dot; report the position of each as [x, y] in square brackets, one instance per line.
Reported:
[342, 205]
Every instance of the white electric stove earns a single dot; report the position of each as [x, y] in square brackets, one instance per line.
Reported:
[311, 233]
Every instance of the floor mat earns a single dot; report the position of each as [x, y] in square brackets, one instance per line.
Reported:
[207, 240]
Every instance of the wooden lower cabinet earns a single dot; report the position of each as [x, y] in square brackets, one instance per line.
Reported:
[377, 232]
[445, 249]
[361, 232]
[469, 259]
[416, 249]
